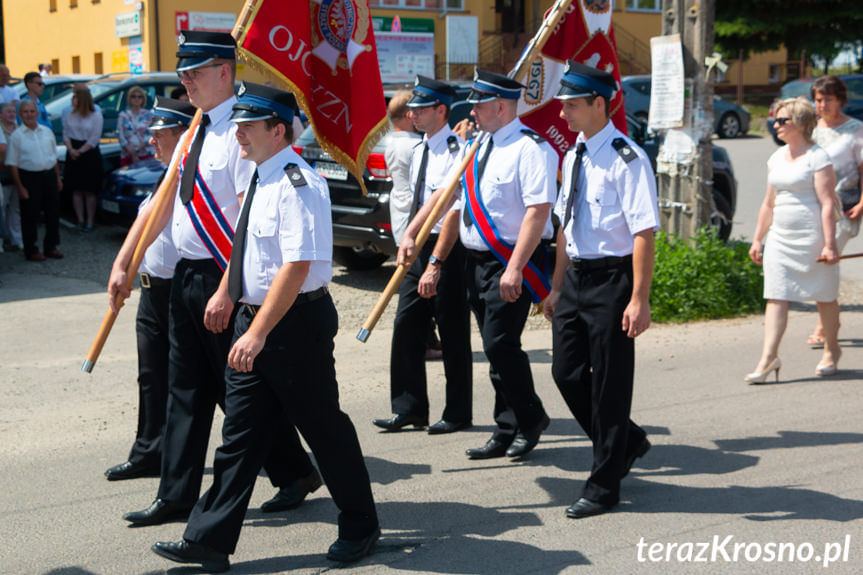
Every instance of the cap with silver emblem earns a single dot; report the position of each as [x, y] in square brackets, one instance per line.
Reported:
[488, 85]
[259, 102]
[197, 48]
[169, 113]
[428, 92]
[581, 81]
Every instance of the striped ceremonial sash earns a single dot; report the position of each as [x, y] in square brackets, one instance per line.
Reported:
[214, 230]
[534, 279]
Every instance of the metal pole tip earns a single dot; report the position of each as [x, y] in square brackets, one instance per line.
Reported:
[364, 334]
[88, 366]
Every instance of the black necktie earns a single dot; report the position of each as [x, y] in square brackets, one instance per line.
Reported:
[419, 188]
[573, 185]
[465, 215]
[190, 167]
[235, 275]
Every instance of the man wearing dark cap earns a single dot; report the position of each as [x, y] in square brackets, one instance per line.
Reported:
[434, 285]
[170, 119]
[282, 351]
[212, 181]
[509, 186]
[599, 301]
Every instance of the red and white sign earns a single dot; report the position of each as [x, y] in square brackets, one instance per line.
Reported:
[205, 21]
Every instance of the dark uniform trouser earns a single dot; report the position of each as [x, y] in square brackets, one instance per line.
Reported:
[516, 404]
[408, 385]
[593, 364]
[44, 197]
[151, 328]
[196, 383]
[295, 371]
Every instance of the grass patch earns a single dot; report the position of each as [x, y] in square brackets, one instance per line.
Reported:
[703, 279]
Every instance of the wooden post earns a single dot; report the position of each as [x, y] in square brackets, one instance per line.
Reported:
[686, 190]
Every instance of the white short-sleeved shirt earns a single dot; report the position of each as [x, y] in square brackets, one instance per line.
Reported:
[8, 94]
[226, 174]
[287, 224]
[32, 150]
[442, 158]
[161, 257]
[520, 173]
[616, 198]
[398, 155]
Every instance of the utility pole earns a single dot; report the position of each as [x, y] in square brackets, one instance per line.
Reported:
[686, 182]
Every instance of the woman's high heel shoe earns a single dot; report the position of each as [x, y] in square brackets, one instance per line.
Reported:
[824, 369]
[756, 377]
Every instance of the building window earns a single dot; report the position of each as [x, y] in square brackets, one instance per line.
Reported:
[774, 75]
[97, 63]
[643, 5]
[418, 4]
[52, 5]
[76, 64]
[55, 66]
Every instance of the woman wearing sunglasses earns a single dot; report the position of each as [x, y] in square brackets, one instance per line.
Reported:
[799, 253]
[133, 128]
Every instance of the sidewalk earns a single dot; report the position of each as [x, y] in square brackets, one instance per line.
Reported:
[762, 464]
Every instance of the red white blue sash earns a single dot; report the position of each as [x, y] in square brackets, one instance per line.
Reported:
[534, 279]
[211, 225]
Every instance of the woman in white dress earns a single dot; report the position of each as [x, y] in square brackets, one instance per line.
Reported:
[799, 254]
[841, 136]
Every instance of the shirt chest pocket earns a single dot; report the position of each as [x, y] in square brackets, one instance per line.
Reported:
[215, 162]
[264, 232]
[497, 187]
[604, 203]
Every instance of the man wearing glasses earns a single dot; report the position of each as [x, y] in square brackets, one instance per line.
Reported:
[35, 86]
[213, 180]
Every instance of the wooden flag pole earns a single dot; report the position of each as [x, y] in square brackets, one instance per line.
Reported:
[164, 195]
[540, 38]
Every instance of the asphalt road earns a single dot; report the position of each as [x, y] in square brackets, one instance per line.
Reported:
[768, 469]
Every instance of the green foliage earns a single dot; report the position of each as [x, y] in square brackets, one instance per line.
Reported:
[707, 279]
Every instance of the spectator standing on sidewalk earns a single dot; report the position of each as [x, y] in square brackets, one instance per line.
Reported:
[11, 203]
[82, 130]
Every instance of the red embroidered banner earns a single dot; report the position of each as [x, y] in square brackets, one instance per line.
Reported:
[585, 35]
[325, 51]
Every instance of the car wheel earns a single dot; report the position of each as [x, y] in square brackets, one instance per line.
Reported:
[721, 216]
[358, 258]
[729, 126]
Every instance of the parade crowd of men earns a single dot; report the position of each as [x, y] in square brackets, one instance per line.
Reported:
[235, 310]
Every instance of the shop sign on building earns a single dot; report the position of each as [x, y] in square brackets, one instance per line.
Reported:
[127, 25]
[206, 21]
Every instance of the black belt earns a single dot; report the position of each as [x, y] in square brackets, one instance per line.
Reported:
[481, 255]
[579, 264]
[37, 172]
[148, 280]
[305, 297]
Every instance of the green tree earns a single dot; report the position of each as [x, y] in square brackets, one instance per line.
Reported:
[820, 27]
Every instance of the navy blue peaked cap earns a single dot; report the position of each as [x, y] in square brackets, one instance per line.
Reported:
[428, 92]
[169, 113]
[259, 102]
[197, 48]
[581, 81]
[488, 85]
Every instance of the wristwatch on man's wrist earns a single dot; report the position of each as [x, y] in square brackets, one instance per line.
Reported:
[435, 261]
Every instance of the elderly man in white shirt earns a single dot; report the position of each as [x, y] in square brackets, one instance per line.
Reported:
[32, 159]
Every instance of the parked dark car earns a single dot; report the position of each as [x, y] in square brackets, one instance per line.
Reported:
[729, 119]
[803, 87]
[362, 234]
[126, 187]
[110, 94]
[56, 86]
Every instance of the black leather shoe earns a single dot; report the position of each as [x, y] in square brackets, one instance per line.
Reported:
[585, 508]
[492, 448]
[444, 426]
[397, 421]
[159, 512]
[639, 451]
[525, 441]
[350, 550]
[293, 495]
[129, 470]
[191, 552]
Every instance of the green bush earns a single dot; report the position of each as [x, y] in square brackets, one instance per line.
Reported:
[704, 279]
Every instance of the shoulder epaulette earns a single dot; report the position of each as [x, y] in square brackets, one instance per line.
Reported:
[295, 175]
[533, 136]
[624, 149]
[452, 144]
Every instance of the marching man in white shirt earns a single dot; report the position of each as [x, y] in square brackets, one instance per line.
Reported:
[600, 293]
[281, 356]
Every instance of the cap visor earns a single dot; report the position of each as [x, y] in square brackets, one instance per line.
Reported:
[420, 101]
[248, 116]
[189, 63]
[477, 97]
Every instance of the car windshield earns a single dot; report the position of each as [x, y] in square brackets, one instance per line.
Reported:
[796, 88]
[56, 107]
